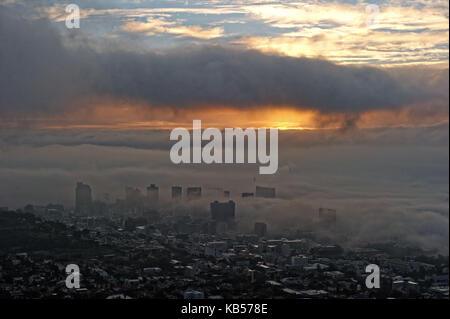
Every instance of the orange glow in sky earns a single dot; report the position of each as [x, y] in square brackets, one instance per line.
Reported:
[107, 115]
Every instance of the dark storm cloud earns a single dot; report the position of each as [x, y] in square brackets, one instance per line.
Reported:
[39, 73]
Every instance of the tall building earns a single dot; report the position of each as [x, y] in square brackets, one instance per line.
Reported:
[177, 192]
[266, 192]
[194, 192]
[223, 212]
[261, 229]
[83, 199]
[152, 194]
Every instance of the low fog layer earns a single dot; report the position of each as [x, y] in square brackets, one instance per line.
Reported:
[386, 184]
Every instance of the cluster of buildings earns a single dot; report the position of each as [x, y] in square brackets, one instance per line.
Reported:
[166, 258]
[137, 201]
[152, 255]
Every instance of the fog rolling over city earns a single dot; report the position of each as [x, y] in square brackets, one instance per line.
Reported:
[99, 200]
[386, 184]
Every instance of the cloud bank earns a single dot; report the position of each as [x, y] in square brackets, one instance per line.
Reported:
[41, 74]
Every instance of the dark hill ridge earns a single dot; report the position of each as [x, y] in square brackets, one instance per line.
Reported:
[26, 232]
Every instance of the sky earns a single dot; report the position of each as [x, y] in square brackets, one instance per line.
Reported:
[359, 91]
[392, 33]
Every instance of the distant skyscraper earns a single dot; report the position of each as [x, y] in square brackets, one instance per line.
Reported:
[177, 192]
[194, 192]
[223, 212]
[83, 199]
[261, 229]
[266, 192]
[152, 194]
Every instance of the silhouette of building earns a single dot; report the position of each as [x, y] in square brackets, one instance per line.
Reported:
[266, 192]
[261, 229]
[83, 199]
[152, 194]
[194, 192]
[177, 192]
[223, 212]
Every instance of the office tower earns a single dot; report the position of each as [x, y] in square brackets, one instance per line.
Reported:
[261, 229]
[266, 192]
[194, 192]
[223, 212]
[152, 194]
[177, 192]
[83, 199]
